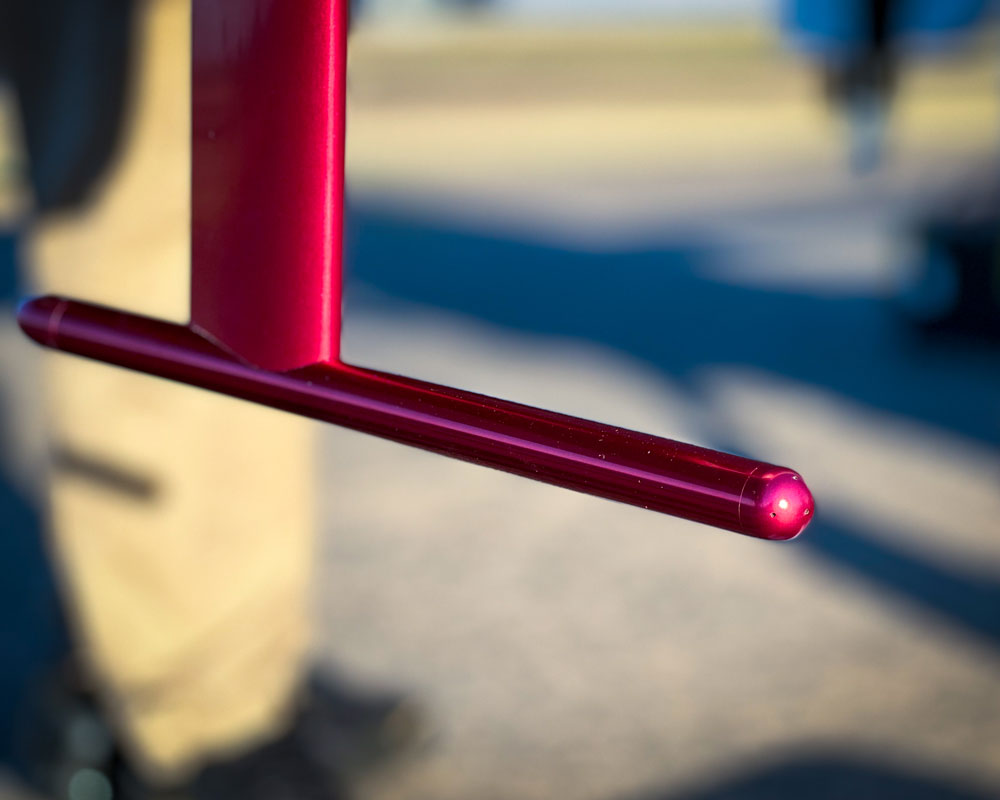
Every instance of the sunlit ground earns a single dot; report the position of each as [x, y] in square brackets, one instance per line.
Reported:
[467, 104]
[658, 229]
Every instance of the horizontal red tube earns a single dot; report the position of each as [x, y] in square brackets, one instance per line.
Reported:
[703, 485]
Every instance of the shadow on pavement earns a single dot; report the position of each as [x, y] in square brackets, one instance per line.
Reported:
[827, 777]
[654, 306]
[961, 598]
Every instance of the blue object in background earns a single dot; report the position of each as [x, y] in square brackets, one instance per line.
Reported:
[832, 28]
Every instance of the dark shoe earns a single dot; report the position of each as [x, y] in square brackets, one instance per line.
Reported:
[337, 735]
[63, 742]
[352, 732]
[284, 770]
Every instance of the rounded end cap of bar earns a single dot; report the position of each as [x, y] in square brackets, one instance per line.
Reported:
[779, 506]
[35, 316]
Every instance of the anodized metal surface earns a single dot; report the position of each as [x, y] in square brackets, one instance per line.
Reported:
[268, 177]
[267, 214]
[727, 491]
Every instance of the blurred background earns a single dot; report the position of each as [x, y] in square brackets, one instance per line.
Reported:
[709, 221]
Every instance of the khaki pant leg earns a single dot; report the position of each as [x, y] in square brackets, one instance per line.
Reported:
[182, 520]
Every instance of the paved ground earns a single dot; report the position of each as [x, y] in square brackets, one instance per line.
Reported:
[575, 648]
[714, 278]
[568, 647]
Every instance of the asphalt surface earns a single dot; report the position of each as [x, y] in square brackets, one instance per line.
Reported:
[571, 647]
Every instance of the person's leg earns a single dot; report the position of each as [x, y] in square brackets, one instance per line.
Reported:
[182, 520]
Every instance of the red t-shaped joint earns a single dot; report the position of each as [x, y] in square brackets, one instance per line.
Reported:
[267, 211]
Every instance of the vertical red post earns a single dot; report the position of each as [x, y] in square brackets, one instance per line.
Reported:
[267, 192]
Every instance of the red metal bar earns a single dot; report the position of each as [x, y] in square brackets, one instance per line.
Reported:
[727, 491]
[268, 177]
[268, 150]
